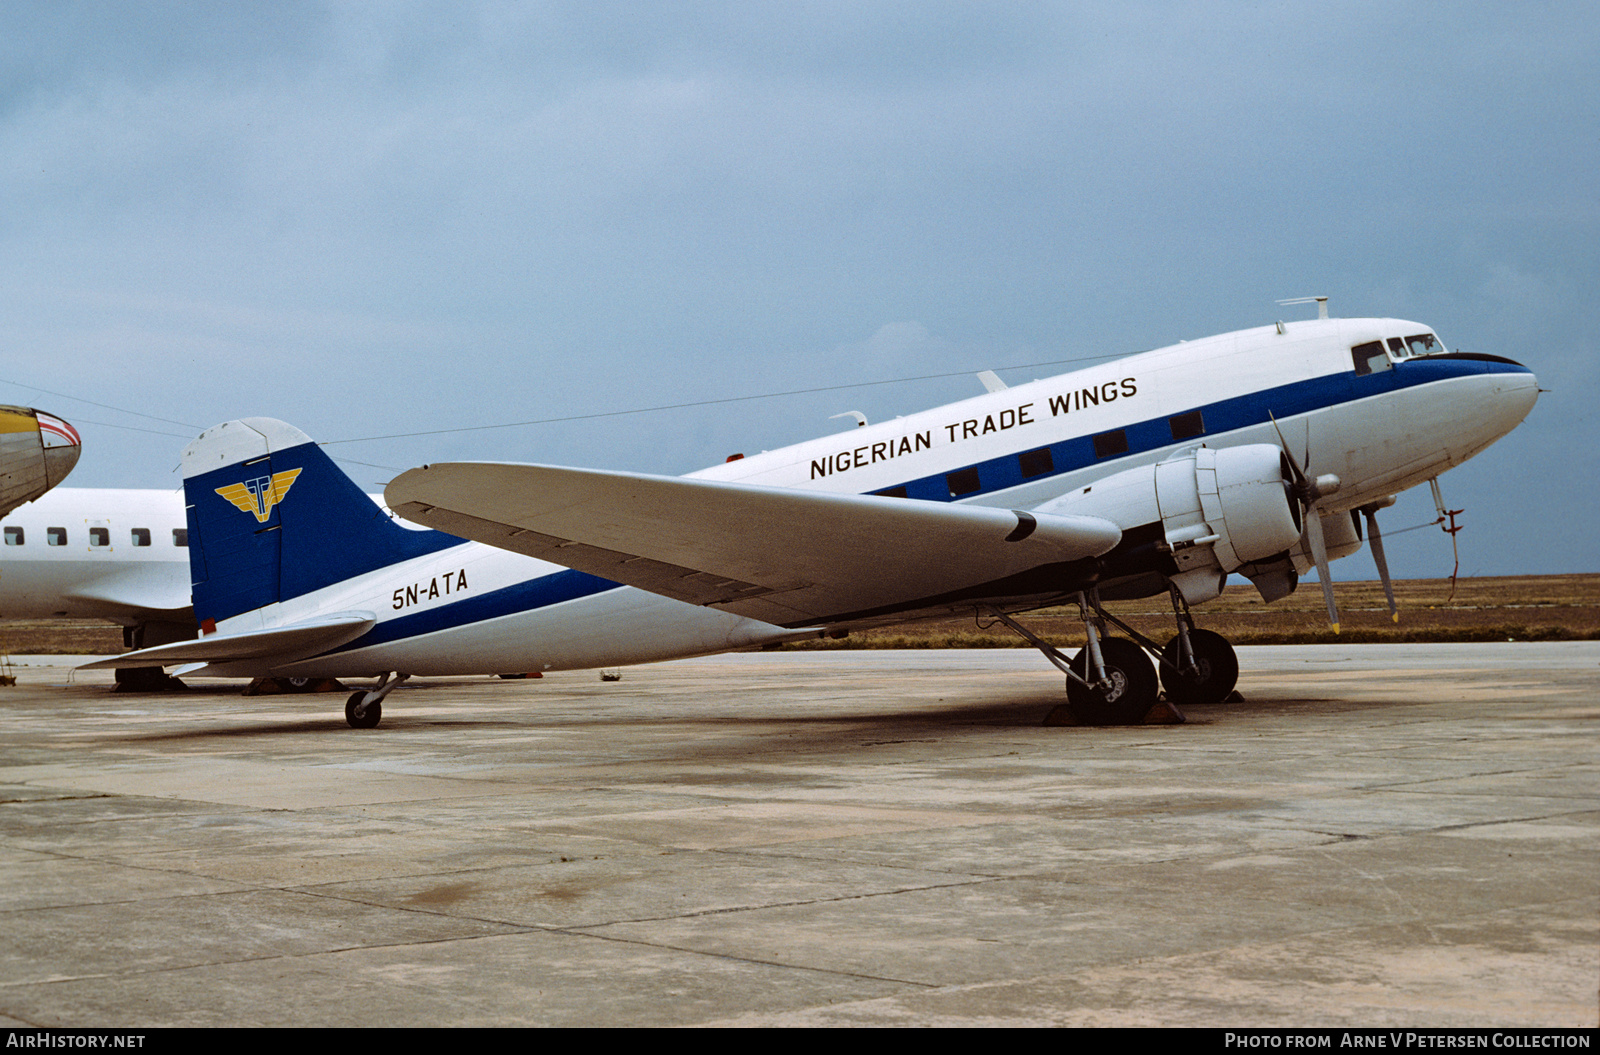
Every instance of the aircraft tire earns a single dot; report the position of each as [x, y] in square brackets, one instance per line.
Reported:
[1219, 670]
[368, 719]
[1133, 689]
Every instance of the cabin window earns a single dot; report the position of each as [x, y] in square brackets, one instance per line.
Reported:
[1397, 348]
[1109, 444]
[55, 536]
[1369, 357]
[99, 537]
[1185, 426]
[14, 536]
[892, 492]
[141, 536]
[1425, 344]
[1036, 463]
[180, 536]
[962, 481]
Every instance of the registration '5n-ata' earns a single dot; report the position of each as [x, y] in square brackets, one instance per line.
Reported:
[437, 588]
[1261, 453]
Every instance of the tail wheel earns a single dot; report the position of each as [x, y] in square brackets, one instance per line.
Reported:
[1217, 675]
[1130, 695]
[362, 717]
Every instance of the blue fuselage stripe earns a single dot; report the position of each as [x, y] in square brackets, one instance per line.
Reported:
[1223, 416]
[555, 588]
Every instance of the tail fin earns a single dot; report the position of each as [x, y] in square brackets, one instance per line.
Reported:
[272, 518]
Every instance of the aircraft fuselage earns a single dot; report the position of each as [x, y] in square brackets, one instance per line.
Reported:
[1404, 420]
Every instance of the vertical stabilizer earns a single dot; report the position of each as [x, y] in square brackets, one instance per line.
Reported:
[272, 518]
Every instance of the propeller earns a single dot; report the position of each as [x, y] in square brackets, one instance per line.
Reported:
[1307, 490]
[1370, 512]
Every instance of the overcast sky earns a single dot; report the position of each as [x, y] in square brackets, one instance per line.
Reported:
[373, 219]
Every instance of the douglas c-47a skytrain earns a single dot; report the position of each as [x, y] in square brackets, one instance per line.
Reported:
[1249, 453]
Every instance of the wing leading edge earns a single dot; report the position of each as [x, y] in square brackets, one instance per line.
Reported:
[787, 557]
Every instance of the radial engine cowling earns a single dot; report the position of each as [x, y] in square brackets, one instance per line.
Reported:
[1218, 509]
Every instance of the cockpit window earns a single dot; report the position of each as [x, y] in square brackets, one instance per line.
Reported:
[1424, 344]
[1369, 357]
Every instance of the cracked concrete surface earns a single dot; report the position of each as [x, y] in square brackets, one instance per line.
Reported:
[1379, 835]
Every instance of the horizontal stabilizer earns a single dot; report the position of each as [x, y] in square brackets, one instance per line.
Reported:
[789, 557]
[280, 644]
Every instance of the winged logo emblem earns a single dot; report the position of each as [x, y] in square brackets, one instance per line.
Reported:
[258, 496]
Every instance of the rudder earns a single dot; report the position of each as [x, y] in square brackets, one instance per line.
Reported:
[272, 518]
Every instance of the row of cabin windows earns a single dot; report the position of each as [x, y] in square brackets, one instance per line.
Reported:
[1042, 463]
[99, 537]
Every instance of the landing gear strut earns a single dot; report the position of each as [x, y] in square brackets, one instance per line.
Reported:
[1197, 666]
[1214, 673]
[365, 709]
[1126, 693]
[1111, 682]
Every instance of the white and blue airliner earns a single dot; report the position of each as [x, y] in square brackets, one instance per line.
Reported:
[1259, 453]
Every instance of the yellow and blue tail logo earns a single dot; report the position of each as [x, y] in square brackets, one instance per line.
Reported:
[331, 532]
[258, 496]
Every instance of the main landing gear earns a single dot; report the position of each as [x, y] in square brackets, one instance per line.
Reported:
[1210, 675]
[1123, 696]
[1197, 666]
[1113, 682]
[365, 709]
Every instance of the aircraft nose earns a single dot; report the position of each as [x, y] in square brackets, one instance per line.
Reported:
[62, 447]
[1512, 398]
[1519, 384]
[58, 462]
[1524, 394]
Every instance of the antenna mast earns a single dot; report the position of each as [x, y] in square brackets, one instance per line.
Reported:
[1322, 304]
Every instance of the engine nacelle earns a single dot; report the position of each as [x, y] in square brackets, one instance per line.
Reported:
[1218, 510]
[1339, 534]
[1277, 578]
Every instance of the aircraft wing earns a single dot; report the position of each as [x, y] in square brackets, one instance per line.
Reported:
[281, 644]
[788, 557]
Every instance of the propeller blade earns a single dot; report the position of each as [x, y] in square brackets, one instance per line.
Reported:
[1319, 553]
[1300, 481]
[1376, 539]
[1307, 491]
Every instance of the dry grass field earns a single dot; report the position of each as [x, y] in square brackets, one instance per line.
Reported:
[1522, 608]
[59, 637]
